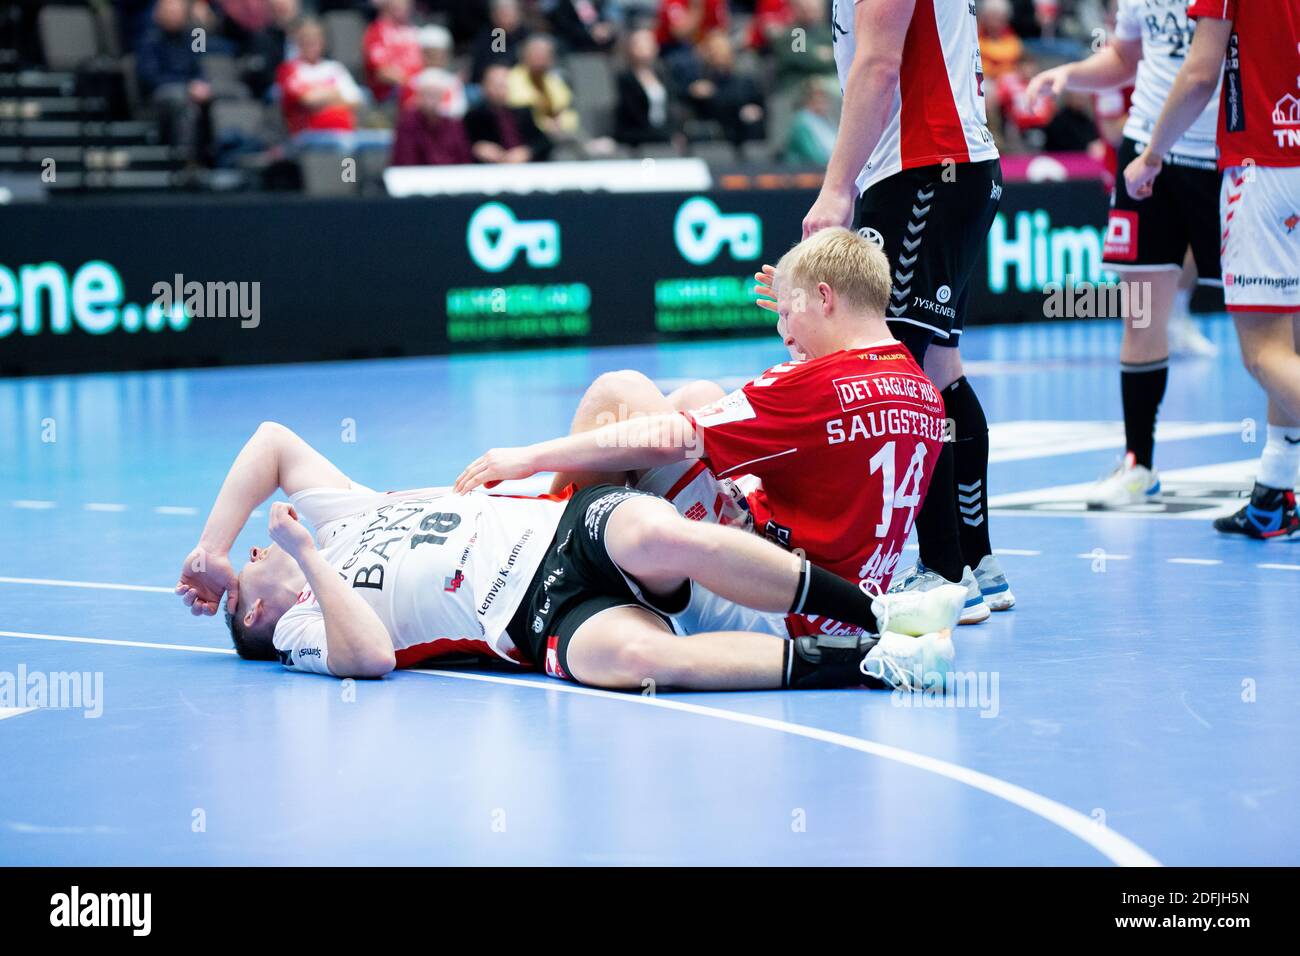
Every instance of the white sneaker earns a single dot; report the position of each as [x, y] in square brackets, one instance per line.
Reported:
[920, 612]
[1187, 340]
[911, 663]
[993, 585]
[921, 578]
[1129, 484]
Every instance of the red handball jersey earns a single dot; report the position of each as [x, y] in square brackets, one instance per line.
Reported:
[1259, 105]
[845, 446]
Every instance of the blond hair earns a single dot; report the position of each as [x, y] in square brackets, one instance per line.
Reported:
[856, 268]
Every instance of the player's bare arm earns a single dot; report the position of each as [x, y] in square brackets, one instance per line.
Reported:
[881, 26]
[358, 643]
[274, 458]
[1196, 84]
[622, 446]
[1113, 66]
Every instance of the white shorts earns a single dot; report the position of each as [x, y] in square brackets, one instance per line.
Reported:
[1259, 210]
[692, 488]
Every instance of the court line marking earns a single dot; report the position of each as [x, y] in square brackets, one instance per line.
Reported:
[1207, 562]
[97, 585]
[7, 712]
[1279, 567]
[67, 638]
[1116, 848]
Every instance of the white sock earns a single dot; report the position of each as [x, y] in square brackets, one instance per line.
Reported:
[1281, 459]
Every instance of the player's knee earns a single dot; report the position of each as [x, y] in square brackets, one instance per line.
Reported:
[641, 658]
[625, 385]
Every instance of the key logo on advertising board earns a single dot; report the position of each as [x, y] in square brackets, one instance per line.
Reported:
[496, 238]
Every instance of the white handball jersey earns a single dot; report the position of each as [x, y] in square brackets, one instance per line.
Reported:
[444, 572]
[1166, 34]
[938, 107]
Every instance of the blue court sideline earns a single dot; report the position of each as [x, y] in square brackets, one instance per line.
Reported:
[1140, 705]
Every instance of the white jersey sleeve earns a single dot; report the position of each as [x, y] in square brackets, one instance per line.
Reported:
[299, 637]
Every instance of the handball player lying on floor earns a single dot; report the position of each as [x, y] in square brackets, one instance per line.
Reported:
[583, 586]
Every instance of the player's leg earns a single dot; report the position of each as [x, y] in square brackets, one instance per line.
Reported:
[661, 552]
[1185, 336]
[612, 397]
[631, 648]
[1143, 376]
[1269, 351]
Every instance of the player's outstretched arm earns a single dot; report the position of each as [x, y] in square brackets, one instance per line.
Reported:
[881, 28]
[623, 446]
[1113, 66]
[273, 458]
[357, 643]
[1194, 87]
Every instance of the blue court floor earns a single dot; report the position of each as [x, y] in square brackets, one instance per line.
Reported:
[1139, 706]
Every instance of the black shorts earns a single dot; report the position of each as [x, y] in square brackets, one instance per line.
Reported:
[1182, 211]
[932, 222]
[577, 579]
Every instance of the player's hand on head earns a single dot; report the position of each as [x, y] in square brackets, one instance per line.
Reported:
[1140, 175]
[205, 577]
[764, 290]
[496, 465]
[287, 532]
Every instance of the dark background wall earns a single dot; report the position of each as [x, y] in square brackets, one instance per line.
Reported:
[365, 278]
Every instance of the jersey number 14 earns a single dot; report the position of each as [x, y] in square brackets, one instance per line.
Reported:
[906, 493]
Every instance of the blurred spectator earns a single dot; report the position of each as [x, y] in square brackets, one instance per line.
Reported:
[814, 53]
[644, 110]
[316, 94]
[1072, 129]
[272, 46]
[1000, 48]
[684, 23]
[812, 132]
[581, 26]
[535, 83]
[134, 19]
[731, 99]
[500, 42]
[391, 49]
[429, 131]
[500, 133]
[769, 28]
[1019, 115]
[241, 21]
[436, 48]
[171, 78]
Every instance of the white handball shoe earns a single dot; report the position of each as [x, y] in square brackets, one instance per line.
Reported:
[1187, 340]
[920, 612]
[921, 578]
[993, 585]
[911, 663]
[1129, 484]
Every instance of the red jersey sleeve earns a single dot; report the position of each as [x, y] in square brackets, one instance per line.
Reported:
[755, 430]
[1217, 9]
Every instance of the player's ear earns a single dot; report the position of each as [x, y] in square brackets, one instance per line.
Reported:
[254, 613]
[827, 296]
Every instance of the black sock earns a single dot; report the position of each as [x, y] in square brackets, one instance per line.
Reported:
[816, 663]
[829, 595]
[970, 468]
[936, 522]
[1142, 387]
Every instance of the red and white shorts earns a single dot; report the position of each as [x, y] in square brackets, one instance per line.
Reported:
[1259, 211]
